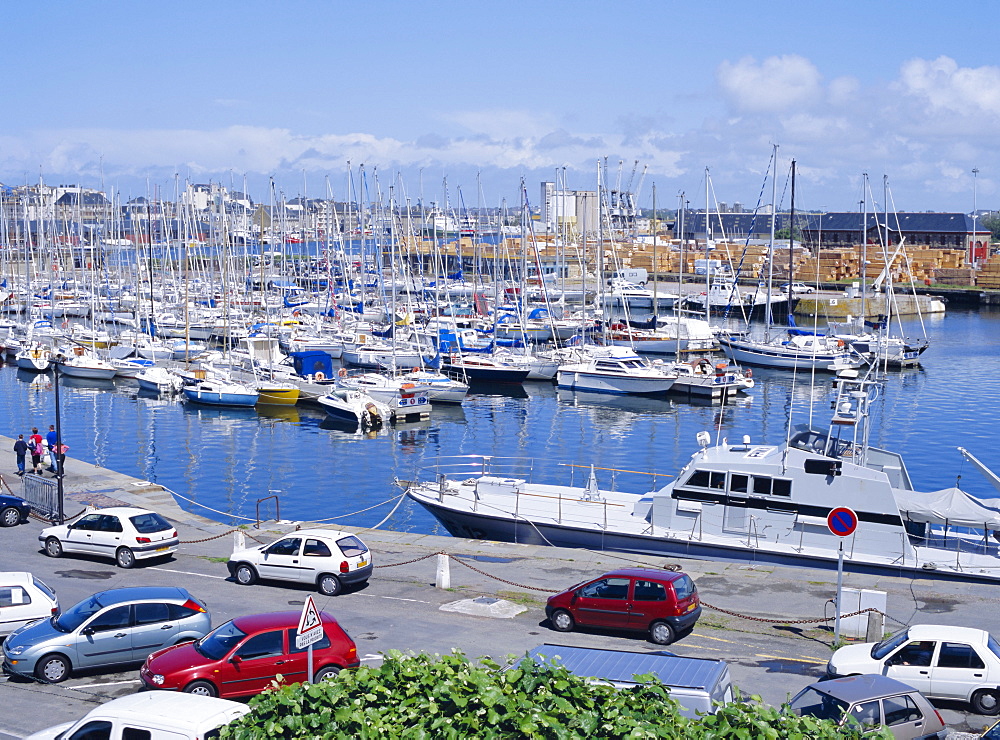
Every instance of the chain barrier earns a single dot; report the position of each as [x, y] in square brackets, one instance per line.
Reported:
[217, 536]
[407, 562]
[779, 620]
[497, 578]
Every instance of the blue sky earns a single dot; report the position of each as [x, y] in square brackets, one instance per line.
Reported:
[132, 93]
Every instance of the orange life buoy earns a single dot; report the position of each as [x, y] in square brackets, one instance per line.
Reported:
[840, 342]
[415, 370]
[319, 375]
[342, 373]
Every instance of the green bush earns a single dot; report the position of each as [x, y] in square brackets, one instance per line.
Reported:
[423, 696]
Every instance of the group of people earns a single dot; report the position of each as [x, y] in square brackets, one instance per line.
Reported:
[38, 447]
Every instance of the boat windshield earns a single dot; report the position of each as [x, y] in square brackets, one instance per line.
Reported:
[888, 645]
[813, 703]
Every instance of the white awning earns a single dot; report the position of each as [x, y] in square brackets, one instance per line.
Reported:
[950, 506]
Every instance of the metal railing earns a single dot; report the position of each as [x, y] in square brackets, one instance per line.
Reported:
[42, 495]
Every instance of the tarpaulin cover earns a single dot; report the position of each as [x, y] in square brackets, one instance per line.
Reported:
[952, 506]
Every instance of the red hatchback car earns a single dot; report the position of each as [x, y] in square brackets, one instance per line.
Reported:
[244, 655]
[660, 602]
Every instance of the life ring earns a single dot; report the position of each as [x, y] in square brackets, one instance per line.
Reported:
[320, 375]
[415, 370]
[840, 342]
[342, 373]
[64, 324]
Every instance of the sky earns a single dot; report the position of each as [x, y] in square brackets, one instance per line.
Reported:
[459, 102]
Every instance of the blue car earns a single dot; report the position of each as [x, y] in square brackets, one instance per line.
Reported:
[13, 510]
[114, 627]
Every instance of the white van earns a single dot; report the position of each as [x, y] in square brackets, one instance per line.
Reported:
[699, 685]
[153, 715]
[632, 275]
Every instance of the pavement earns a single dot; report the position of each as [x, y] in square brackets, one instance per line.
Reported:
[400, 608]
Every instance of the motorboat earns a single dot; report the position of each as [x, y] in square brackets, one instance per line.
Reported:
[159, 380]
[356, 408]
[440, 387]
[620, 370]
[483, 368]
[744, 501]
[702, 378]
[216, 392]
[870, 340]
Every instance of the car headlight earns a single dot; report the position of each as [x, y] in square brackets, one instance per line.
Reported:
[16, 650]
[157, 679]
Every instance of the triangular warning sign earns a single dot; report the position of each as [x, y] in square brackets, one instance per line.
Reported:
[310, 617]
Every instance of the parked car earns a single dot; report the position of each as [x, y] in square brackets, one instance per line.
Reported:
[871, 701]
[699, 685]
[243, 656]
[124, 533]
[942, 662]
[328, 558]
[23, 599]
[114, 627]
[797, 288]
[660, 602]
[14, 510]
[149, 715]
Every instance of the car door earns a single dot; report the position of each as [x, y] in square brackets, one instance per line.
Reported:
[106, 638]
[649, 601]
[297, 664]
[603, 603]
[911, 664]
[255, 663]
[79, 535]
[281, 560]
[957, 670]
[152, 629]
[107, 536]
[903, 717]
[16, 608]
[317, 557]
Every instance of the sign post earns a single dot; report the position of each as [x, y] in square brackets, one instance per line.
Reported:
[310, 630]
[842, 522]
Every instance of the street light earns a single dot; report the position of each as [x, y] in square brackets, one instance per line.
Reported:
[57, 462]
[972, 244]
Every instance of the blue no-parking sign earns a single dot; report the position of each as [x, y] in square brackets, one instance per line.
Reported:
[842, 521]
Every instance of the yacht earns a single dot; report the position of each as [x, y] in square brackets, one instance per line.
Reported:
[619, 370]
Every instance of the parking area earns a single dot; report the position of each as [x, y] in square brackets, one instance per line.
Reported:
[401, 609]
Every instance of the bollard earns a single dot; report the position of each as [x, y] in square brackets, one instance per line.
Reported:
[443, 579]
[239, 541]
[876, 627]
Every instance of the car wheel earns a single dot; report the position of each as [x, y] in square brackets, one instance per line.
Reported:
[53, 547]
[52, 669]
[200, 688]
[330, 585]
[10, 517]
[125, 558]
[662, 633]
[562, 621]
[246, 575]
[327, 671]
[986, 701]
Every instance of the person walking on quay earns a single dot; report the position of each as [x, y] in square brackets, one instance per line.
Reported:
[50, 441]
[36, 449]
[59, 460]
[20, 450]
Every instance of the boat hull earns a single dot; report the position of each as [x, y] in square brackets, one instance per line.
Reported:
[579, 380]
[216, 398]
[270, 396]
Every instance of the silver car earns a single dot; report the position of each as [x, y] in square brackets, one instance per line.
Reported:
[121, 625]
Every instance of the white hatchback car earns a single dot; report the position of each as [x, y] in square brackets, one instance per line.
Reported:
[941, 662]
[326, 557]
[797, 288]
[23, 599]
[124, 533]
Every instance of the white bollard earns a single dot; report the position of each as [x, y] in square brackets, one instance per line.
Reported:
[239, 540]
[443, 578]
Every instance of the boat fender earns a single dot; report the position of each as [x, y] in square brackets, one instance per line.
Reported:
[318, 376]
[342, 373]
[748, 373]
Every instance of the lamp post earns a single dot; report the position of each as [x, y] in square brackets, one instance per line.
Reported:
[58, 462]
[972, 244]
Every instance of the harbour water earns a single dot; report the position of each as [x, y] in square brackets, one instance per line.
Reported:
[227, 459]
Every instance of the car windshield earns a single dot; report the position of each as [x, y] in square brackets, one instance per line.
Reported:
[889, 644]
[815, 703]
[220, 641]
[149, 522]
[43, 588]
[76, 615]
[351, 546]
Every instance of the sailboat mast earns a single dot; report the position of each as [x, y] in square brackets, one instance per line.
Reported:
[791, 240]
[770, 251]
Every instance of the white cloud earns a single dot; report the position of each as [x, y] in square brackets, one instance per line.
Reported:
[776, 84]
[947, 87]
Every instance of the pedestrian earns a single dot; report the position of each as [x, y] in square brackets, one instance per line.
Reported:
[50, 441]
[20, 450]
[59, 460]
[36, 449]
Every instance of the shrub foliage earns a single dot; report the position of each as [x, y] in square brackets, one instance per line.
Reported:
[424, 696]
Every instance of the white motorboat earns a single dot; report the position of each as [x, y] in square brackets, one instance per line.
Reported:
[620, 370]
[744, 502]
[355, 408]
[216, 392]
[440, 387]
[159, 380]
[704, 379]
